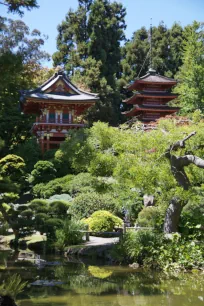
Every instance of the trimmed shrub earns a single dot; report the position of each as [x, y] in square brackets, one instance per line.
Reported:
[39, 206]
[103, 221]
[87, 203]
[150, 217]
[56, 186]
[44, 171]
[59, 208]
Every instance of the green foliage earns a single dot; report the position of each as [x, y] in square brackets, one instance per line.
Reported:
[77, 142]
[59, 208]
[69, 234]
[44, 171]
[12, 286]
[153, 250]
[166, 53]
[17, 47]
[191, 73]
[87, 203]
[103, 164]
[103, 221]
[56, 186]
[83, 53]
[30, 152]
[13, 167]
[192, 216]
[17, 6]
[150, 217]
[39, 206]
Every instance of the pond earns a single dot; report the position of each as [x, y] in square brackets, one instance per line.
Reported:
[58, 281]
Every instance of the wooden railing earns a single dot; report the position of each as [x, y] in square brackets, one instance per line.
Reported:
[119, 231]
[63, 121]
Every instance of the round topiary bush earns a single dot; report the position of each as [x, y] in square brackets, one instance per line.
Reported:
[103, 221]
[150, 217]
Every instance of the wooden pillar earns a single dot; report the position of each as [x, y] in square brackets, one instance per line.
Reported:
[47, 115]
[73, 116]
[56, 116]
[70, 117]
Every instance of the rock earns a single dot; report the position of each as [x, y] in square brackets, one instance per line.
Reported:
[7, 301]
[135, 265]
[148, 200]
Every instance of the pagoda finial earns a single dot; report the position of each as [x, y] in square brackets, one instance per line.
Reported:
[151, 44]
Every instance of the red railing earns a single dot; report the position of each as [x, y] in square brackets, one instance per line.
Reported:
[63, 121]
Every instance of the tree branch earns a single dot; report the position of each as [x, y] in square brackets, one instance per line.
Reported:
[4, 3]
[179, 162]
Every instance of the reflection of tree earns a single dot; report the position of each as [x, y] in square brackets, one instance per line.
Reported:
[114, 286]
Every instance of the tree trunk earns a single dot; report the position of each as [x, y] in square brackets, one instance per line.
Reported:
[172, 217]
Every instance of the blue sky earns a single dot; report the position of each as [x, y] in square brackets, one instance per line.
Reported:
[139, 12]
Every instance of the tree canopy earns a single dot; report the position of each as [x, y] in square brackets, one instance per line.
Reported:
[17, 6]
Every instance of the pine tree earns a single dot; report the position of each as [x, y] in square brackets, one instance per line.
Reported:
[191, 74]
[17, 6]
[89, 48]
[166, 52]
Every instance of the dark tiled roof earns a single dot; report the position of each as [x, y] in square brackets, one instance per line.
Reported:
[40, 92]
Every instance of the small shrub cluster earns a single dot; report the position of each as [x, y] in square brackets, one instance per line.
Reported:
[87, 203]
[43, 172]
[69, 234]
[103, 221]
[150, 217]
[154, 250]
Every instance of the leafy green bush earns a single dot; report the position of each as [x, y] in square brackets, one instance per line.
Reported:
[87, 203]
[39, 206]
[56, 186]
[103, 164]
[150, 217]
[103, 221]
[59, 208]
[69, 234]
[12, 286]
[79, 182]
[192, 216]
[154, 250]
[13, 167]
[44, 171]
[30, 152]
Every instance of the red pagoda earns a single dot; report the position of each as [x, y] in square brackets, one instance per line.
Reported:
[150, 101]
[58, 105]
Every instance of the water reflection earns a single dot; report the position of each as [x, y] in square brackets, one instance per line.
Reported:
[62, 282]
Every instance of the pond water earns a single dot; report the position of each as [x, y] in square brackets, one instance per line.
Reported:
[58, 281]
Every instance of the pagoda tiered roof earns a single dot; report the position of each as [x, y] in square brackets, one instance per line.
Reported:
[152, 78]
[153, 109]
[136, 98]
[150, 100]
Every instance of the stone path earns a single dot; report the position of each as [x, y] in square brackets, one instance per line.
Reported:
[101, 241]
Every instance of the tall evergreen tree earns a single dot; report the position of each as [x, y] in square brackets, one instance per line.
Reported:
[89, 48]
[191, 74]
[20, 56]
[17, 6]
[166, 52]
